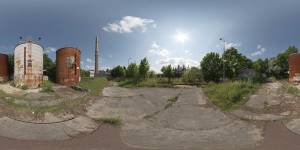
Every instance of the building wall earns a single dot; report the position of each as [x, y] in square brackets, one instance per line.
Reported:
[28, 61]
[67, 65]
[3, 67]
[294, 67]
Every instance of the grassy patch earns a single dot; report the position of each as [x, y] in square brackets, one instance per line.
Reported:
[171, 101]
[93, 85]
[231, 94]
[47, 86]
[111, 121]
[289, 88]
[150, 82]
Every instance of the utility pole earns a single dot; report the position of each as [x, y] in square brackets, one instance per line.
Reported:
[96, 56]
[223, 59]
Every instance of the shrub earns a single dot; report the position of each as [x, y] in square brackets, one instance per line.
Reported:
[47, 86]
[192, 76]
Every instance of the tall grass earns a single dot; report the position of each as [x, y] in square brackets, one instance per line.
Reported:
[231, 94]
[93, 85]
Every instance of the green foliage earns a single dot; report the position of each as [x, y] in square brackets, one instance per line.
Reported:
[149, 82]
[234, 62]
[279, 64]
[261, 66]
[47, 86]
[93, 85]
[291, 89]
[211, 66]
[84, 73]
[50, 67]
[152, 74]
[132, 71]
[179, 71]
[11, 65]
[144, 68]
[111, 121]
[229, 95]
[118, 72]
[167, 72]
[192, 76]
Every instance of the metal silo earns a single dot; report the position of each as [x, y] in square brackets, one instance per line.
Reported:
[28, 64]
[3, 67]
[294, 67]
[67, 65]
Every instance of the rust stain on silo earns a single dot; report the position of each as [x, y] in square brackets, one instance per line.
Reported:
[67, 65]
[3, 67]
[294, 67]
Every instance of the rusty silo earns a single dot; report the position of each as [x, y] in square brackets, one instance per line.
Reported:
[28, 60]
[67, 65]
[3, 67]
[294, 67]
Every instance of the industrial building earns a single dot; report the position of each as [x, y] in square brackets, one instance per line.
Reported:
[28, 62]
[67, 65]
[3, 67]
[294, 68]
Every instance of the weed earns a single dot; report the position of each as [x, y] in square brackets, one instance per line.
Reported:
[111, 121]
[47, 86]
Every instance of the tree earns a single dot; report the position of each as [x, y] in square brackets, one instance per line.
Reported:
[132, 70]
[235, 62]
[261, 66]
[49, 67]
[279, 65]
[11, 65]
[211, 66]
[144, 68]
[167, 72]
[84, 73]
[179, 70]
[192, 75]
[118, 72]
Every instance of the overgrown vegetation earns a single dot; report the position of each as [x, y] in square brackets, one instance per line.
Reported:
[171, 101]
[231, 94]
[94, 85]
[47, 86]
[112, 121]
[291, 89]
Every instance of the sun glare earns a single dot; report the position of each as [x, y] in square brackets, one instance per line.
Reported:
[181, 37]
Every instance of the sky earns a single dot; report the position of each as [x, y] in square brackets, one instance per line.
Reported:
[165, 31]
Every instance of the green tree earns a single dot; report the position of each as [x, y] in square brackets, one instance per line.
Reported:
[261, 66]
[211, 66]
[84, 73]
[132, 70]
[279, 65]
[235, 62]
[167, 72]
[11, 66]
[192, 75]
[49, 67]
[118, 72]
[144, 68]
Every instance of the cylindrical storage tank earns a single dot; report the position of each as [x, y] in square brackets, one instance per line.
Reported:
[3, 67]
[28, 65]
[294, 67]
[67, 65]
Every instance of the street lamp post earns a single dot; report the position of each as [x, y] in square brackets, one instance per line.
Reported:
[224, 49]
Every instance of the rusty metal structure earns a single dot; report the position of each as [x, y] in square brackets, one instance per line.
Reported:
[28, 61]
[3, 67]
[67, 65]
[294, 68]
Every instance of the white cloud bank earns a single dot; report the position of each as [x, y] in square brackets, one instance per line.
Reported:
[260, 51]
[158, 50]
[50, 49]
[128, 24]
[178, 61]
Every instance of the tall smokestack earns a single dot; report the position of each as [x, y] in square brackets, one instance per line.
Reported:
[96, 56]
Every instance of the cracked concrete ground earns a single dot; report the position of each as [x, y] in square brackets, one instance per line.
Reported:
[44, 132]
[189, 122]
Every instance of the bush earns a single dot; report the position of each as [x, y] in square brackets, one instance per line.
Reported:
[192, 76]
[47, 86]
[229, 95]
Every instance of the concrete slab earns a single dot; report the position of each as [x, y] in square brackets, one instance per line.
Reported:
[294, 126]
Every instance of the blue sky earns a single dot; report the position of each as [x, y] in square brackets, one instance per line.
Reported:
[146, 28]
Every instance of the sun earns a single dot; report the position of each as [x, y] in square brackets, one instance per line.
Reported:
[181, 37]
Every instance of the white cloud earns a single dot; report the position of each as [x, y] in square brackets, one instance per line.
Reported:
[188, 52]
[178, 61]
[128, 24]
[50, 49]
[89, 60]
[158, 50]
[89, 67]
[231, 44]
[260, 50]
